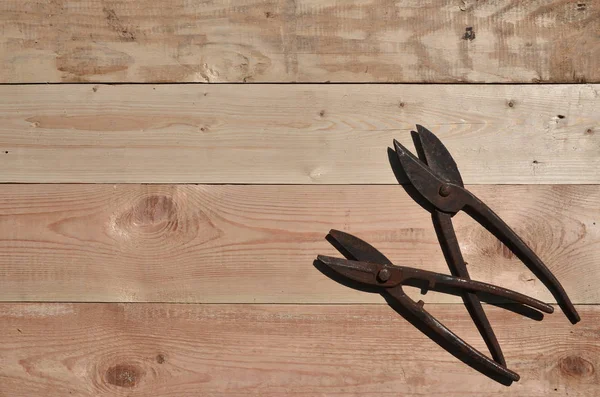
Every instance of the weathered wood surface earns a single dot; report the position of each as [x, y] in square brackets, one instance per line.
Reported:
[309, 134]
[274, 350]
[244, 244]
[300, 41]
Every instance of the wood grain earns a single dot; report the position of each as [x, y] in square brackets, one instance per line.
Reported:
[244, 244]
[300, 41]
[300, 134]
[358, 350]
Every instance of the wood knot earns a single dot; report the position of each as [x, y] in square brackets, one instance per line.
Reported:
[576, 366]
[589, 131]
[154, 210]
[469, 34]
[489, 246]
[124, 375]
[151, 216]
[510, 104]
[160, 358]
[156, 220]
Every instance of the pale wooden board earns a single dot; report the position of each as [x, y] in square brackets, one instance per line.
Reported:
[279, 350]
[244, 244]
[299, 40]
[308, 134]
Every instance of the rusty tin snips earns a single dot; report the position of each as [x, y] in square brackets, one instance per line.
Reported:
[436, 178]
[372, 268]
[439, 182]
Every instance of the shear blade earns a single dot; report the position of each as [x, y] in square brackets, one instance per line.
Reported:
[362, 272]
[419, 174]
[437, 157]
[358, 249]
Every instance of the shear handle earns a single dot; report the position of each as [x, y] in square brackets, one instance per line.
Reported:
[492, 222]
[473, 286]
[451, 249]
[450, 337]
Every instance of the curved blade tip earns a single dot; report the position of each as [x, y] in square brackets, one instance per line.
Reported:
[337, 235]
[328, 260]
[420, 128]
[335, 232]
[400, 149]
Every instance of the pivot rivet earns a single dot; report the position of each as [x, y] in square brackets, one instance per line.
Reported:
[384, 275]
[444, 191]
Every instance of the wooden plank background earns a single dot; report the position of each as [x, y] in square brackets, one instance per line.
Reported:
[360, 350]
[158, 239]
[257, 244]
[553, 41]
[326, 134]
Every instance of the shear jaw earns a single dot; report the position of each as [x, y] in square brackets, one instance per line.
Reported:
[443, 195]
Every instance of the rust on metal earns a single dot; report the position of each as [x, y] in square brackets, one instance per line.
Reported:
[435, 176]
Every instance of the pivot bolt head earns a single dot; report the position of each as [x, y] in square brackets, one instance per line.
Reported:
[384, 275]
[444, 190]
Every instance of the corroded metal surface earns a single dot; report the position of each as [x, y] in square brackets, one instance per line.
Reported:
[437, 180]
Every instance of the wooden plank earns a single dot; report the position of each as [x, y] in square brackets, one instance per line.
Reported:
[244, 244]
[300, 41]
[275, 350]
[309, 134]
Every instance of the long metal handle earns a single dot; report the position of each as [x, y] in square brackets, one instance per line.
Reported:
[460, 347]
[492, 222]
[451, 249]
[440, 279]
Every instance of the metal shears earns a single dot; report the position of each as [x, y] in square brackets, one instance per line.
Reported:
[438, 181]
[368, 266]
